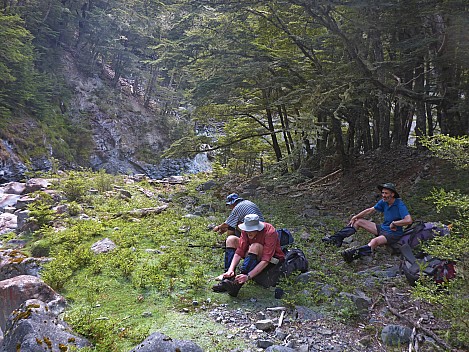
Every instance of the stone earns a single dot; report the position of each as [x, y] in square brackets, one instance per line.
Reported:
[14, 188]
[264, 343]
[158, 342]
[8, 222]
[15, 291]
[206, 186]
[9, 209]
[264, 325]
[15, 263]
[396, 335]
[103, 246]
[34, 327]
[278, 348]
[360, 300]
[304, 313]
[36, 184]
[280, 334]
[8, 200]
[24, 201]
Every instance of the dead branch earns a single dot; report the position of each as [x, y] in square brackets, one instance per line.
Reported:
[140, 213]
[417, 325]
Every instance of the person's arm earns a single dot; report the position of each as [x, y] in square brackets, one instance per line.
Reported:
[222, 228]
[403, 222]
[362, 214]
[233, 265]
[242, 278]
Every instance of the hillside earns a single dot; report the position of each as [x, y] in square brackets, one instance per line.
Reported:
[163, 269]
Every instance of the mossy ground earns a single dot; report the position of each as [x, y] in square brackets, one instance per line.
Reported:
[160, 276]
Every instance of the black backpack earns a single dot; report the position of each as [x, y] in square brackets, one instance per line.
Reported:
[438, 269]
[295, 260]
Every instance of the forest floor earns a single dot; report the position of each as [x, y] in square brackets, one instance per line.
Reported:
[338, 195]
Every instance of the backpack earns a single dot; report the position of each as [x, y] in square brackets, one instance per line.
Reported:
[422, 231]
[295, 260]
[286, 239]
[438, 269]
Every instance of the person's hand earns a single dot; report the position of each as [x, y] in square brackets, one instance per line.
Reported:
[352, 220]
[229, 273]
[393, 226]
[216, 228]
[241, 278]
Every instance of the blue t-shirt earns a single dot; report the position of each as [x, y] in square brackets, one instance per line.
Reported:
[397, 211]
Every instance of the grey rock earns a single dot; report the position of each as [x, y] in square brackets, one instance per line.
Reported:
[206, 186]
[264, 343]
[8, 223]
[280, 334]
[278, 348]
[24, 201]
[396, 335]
[360, 300]
[264, 325]
[305, 313]
[103, 246]
[14, 187]
[158, 342]
[14, 263]
[9, 209]
[8, 200]
[15, 291]
[34, 327]
[36, 184]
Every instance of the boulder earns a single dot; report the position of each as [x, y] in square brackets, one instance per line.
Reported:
[396, 335]
[14, 187]
[36, 184]
[8, 200]
[103, 246]
[8, 223]
[12, 168]
[158, 342]
[24, 201]
[15, 263]
[33, 327]
[15, 291]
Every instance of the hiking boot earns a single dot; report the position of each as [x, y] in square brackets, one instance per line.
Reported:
[350, 255]
[218, 288]
[333, 241]
[337, 238]
[232, 287]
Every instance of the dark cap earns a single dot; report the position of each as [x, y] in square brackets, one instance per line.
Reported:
[232, 198]
[391, 187]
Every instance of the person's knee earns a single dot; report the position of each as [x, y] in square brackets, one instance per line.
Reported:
[232, 242]
[377, 241]
[256, 248]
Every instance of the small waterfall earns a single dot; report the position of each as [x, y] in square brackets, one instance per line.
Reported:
[200, 163]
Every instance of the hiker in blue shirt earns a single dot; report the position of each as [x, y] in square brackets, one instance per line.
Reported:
[396, 216]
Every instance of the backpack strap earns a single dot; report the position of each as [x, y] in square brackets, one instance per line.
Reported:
[407, 253]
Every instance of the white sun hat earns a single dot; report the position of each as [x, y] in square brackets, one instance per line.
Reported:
[251, 223]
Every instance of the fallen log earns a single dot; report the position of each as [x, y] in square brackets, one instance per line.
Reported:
[140, 213]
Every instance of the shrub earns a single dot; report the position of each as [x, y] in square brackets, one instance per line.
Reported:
[74, 188]
[40, 210]
[41, 248]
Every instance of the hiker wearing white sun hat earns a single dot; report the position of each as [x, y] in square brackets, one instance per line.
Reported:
[259, 246]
